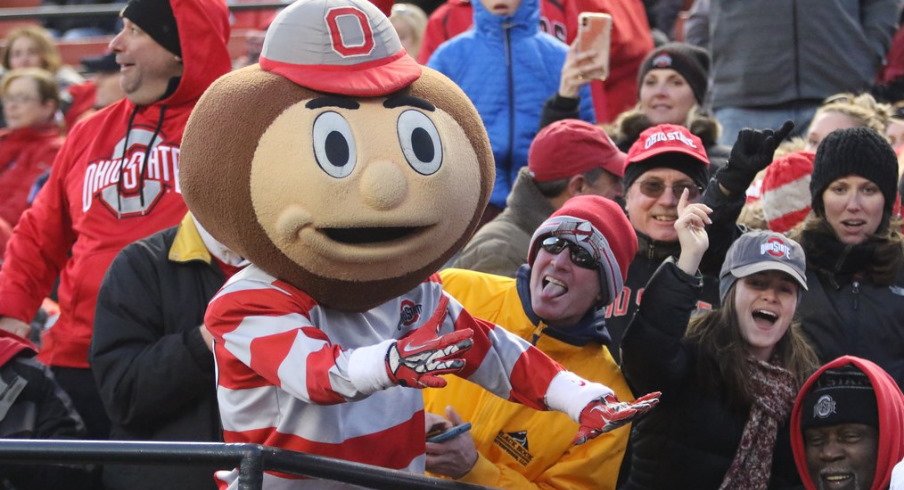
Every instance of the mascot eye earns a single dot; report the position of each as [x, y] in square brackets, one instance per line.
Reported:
[420, 142]
[334, 145]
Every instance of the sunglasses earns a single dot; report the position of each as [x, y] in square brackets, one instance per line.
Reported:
[655, 188]
[579, 256]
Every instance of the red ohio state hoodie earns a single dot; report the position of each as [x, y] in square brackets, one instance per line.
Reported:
[890, 403]
[115, 180]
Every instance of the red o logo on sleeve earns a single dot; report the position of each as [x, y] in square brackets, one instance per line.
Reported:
[354, 24]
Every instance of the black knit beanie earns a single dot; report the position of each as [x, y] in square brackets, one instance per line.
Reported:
[688, 60]
[156, 18]
[855, 151]
[840, 396]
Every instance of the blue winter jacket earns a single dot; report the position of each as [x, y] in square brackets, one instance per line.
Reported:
[508, 68]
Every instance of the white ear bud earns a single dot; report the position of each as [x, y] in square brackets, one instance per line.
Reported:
[178, 58]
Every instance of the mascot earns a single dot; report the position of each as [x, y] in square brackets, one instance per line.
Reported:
[348, 174]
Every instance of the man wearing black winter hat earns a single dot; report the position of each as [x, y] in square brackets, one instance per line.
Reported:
[114, 181]
[847, 426]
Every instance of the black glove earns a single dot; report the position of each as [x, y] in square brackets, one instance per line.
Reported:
[752, 151]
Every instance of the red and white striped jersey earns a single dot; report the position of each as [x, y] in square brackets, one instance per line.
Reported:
[283, 372]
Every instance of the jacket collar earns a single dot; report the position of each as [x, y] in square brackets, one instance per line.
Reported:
[188, 245]
[591, 328]
[526, 206]
[523, 23]
[655, 249]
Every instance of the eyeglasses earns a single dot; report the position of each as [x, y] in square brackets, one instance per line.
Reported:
[655, 188]
[579, 256]
[17, 99]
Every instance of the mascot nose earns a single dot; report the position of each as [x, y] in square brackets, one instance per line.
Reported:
[383, 186]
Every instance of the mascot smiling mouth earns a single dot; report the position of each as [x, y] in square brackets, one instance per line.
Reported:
[364, 235]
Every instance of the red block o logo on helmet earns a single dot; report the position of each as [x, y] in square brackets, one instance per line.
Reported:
[350, 32]
[345, 47]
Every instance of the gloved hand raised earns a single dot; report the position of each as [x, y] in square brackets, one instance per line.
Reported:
[607, 413]
[752, 151]
[417, 360]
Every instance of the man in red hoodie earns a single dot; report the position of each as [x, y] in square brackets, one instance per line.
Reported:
[847, 426]
[114, 181]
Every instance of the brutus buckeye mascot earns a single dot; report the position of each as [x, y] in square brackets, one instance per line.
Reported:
[348, 174]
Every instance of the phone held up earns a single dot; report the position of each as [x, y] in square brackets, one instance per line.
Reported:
[595, 33]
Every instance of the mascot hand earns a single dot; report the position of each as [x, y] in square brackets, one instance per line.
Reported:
[417, 360]
[607, 413]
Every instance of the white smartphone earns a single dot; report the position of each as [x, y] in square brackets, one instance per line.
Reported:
[595, 33]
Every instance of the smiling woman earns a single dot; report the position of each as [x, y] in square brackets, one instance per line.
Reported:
[728, 376]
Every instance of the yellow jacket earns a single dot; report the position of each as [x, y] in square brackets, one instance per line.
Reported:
[520, 447]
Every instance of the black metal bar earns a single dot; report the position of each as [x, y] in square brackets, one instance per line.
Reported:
[251, 469]
[356, 473]
[100, 10]
[252, 460]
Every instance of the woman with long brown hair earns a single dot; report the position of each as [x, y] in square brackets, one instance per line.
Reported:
[728, 377]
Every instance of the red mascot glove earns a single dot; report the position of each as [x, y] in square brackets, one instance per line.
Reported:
[417, 360]
[607, 413]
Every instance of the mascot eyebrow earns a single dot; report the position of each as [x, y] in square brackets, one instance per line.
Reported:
[397, 100]
[333, 101]
[391, 102]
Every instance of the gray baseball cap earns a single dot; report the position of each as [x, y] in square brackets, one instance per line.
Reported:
[758, 251]
[345, 47]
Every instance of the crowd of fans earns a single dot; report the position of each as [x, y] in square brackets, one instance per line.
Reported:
[741, 165]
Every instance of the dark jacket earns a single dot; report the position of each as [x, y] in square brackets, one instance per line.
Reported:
[33, 406]
[690, 439]
[153, 370]
[650, 255]
[850, 309]
[805, 49]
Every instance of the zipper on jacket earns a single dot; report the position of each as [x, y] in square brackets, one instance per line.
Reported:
[651, 250]
[507, 40]
[855, 289]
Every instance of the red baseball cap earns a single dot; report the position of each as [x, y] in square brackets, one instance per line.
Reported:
[667, 138]
[571, 147]
[345, 47]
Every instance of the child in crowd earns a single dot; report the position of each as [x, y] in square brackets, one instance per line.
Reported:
[508, 68]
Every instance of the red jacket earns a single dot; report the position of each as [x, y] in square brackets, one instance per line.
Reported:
[25, 154]
[890, 403]
[631, 41]
[100, 197]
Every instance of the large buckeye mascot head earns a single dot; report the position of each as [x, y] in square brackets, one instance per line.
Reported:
[338, 164]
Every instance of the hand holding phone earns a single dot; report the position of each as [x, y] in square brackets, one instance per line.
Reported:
[595, 34]
[450, 433]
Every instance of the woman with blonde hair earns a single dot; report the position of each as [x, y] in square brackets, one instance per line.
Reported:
[409, 22]
[846, 110]
[32, 47]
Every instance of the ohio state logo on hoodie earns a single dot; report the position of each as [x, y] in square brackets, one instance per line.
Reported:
[132, 181]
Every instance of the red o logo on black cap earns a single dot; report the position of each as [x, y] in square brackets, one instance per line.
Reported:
[337, 39]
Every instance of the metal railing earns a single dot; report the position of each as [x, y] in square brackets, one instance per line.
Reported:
[101, 10]
[251, 459]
